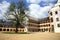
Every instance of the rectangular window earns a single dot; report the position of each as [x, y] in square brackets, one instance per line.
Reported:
[57, 19]
[51, 19]
[58, 25]
[53, 28]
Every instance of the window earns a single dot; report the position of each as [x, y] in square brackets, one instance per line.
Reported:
[51, 19]
[38, 29]
[7, 29]
[57, 19]
[52, 25]
[4, 29]
[56, 12]
[51, 13]
[10, 29]
[49, 24]
[59, 5]
[53, 28]
[59, 25]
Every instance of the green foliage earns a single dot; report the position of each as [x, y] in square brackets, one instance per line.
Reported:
[12, 6]
[21, 5]
[15, 33]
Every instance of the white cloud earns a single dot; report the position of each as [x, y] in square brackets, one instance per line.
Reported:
[38, 1]
[37, 11]
[33, 1]
[43, 11]
[1, 16]
[48, 0]
[34, 9]
[3, 8]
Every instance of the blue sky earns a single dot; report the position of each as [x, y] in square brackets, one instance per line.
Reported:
[38, 8]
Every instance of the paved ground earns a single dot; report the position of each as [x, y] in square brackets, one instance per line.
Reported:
[33, 36]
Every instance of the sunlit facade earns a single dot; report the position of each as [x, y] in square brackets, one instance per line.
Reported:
[41, 25]
[55, 17]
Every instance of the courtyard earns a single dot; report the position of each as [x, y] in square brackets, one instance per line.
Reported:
[32, 36]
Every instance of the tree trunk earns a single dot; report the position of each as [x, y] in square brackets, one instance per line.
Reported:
[16, 29]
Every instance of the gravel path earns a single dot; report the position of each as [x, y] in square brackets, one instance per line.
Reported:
[33, 36]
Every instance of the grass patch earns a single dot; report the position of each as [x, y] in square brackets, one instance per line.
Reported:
[15, 33]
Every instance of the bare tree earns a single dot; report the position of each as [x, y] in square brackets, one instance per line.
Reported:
[16, 14]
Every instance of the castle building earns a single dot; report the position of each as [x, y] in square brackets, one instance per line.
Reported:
[45, 25]
[48, 24]
[40, 25]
